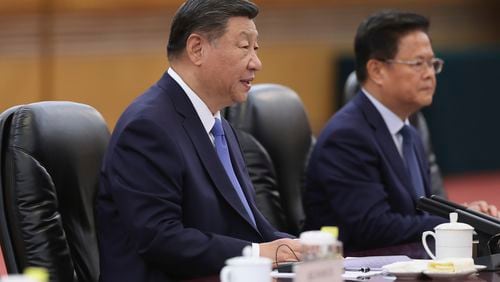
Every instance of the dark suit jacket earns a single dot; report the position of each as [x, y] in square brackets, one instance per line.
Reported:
[357, 180]
[261, 170]
[166, 207]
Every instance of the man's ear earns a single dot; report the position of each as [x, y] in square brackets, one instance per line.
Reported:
[194, 48]
[376, 71]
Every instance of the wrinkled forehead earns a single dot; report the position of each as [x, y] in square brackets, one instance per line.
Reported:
[241, 26]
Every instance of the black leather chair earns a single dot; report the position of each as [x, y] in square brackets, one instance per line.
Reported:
[274, 120]
[352, 87]
[50, 156]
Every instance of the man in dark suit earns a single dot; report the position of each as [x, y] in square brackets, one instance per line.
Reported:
[369, 168]
[175, 198]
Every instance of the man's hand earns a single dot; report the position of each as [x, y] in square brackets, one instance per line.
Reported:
[281, 250]
[484, 207]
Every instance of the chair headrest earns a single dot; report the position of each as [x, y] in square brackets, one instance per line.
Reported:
[351, 87]
[275, 106]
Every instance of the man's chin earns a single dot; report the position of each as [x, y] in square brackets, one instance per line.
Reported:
[240, 97]
[427, 99]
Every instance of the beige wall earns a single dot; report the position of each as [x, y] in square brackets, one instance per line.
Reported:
[19, 81]
[105, 53]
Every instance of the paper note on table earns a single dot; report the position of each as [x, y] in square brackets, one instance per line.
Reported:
[358, 275]
[373, 262]
[348, 275]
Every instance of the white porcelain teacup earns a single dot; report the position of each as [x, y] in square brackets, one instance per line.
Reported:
[247, 269]
[453, 240]
[16, 278]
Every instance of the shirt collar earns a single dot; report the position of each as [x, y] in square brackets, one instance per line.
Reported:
[204, 113]
[392, 121]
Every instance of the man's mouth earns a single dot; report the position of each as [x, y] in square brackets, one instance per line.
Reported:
[247, 82]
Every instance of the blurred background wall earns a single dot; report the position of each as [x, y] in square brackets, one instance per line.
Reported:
[105, 53]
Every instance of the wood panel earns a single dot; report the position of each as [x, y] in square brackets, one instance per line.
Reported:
[19, 81]
[118, 79]
[21, 6]
[17, 6]
[308, 73]
[108, 83]
[106, 58]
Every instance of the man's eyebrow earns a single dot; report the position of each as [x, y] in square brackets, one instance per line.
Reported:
[248, 33]
[244, 33]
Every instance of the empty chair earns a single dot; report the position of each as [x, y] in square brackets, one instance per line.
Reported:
[50, 156]
[276, 121]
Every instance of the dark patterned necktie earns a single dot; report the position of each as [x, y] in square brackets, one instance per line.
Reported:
[410, 158]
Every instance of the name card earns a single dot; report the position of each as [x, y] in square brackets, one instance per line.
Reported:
[325, 270]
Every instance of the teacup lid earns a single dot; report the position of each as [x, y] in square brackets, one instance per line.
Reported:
[315, 237]
[453, 224]
[248, 259]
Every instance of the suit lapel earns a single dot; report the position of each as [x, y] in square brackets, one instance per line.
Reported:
[384, 138]
[386, 143]
[239, 168]
[204, 147]
[213, 166]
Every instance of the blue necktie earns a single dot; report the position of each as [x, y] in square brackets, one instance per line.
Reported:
[223, 152]
[410, 158]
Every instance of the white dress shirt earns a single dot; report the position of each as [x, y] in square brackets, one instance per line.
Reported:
[204, 113]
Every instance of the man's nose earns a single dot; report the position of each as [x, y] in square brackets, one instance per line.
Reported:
[255, 63]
